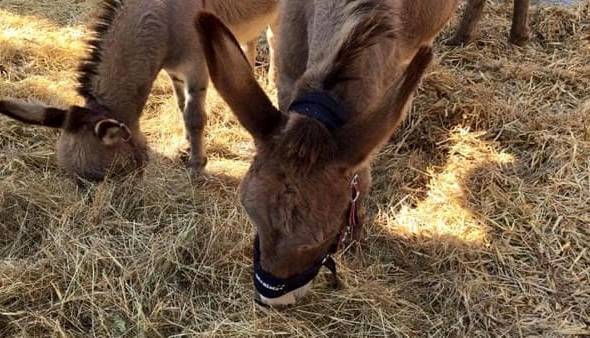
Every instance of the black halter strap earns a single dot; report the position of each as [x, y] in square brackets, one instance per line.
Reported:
[270, 286]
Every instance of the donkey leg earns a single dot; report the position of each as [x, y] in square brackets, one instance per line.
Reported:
[519, 34]
[464, 33]
[195, 119]
[271, 36]
[179, 87]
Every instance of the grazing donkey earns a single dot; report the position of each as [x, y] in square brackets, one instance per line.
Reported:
[134, 40]
[519, 34]
[347, 72]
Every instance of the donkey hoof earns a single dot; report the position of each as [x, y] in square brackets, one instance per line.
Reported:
[459, 40]
[519, 39]
[196, 166]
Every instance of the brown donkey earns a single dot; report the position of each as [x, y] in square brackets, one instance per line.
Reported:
[519, 34]
[347, 72]
[134, 40]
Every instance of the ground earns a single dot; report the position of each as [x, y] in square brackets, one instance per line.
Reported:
[478, 218]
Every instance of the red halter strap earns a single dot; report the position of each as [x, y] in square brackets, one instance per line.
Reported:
[347, 229]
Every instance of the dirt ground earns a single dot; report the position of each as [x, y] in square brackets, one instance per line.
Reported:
[479, 214]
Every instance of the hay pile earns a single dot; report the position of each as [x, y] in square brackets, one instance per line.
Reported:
[480, 212]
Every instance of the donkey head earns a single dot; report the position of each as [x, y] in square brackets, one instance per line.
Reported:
[91, 145]
[297, 191]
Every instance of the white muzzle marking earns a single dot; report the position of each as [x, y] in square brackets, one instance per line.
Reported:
[287, 299]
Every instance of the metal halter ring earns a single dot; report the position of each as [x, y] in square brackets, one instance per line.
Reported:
[356, 191]
[127, 130]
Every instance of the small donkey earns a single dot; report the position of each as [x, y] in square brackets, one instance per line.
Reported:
[347, 72]
[134, 40]
[519, 34]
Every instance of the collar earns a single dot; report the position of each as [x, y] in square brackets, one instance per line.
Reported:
[320, 106]
[270, 286]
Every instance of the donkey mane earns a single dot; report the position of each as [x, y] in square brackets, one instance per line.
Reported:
[89, 65]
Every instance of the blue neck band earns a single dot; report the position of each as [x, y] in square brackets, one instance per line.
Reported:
[320, 106]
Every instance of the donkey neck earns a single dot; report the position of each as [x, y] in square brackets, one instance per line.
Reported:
[130, 57]
[363, 82]
[357, 78]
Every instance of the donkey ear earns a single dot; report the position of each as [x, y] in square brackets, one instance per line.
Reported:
[34, 113]
[234, 79]
[358, 141]
[112, 132]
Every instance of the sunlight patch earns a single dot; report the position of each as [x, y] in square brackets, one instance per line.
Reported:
[229, 168]
[445, 211]
[33, 31]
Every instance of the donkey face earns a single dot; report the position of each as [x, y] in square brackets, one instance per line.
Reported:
[297, 215]
[298, 189]
[91, 144]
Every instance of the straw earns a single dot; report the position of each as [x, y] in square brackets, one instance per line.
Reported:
[478, 220]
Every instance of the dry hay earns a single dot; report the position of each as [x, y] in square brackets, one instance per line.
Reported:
[480, 210]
